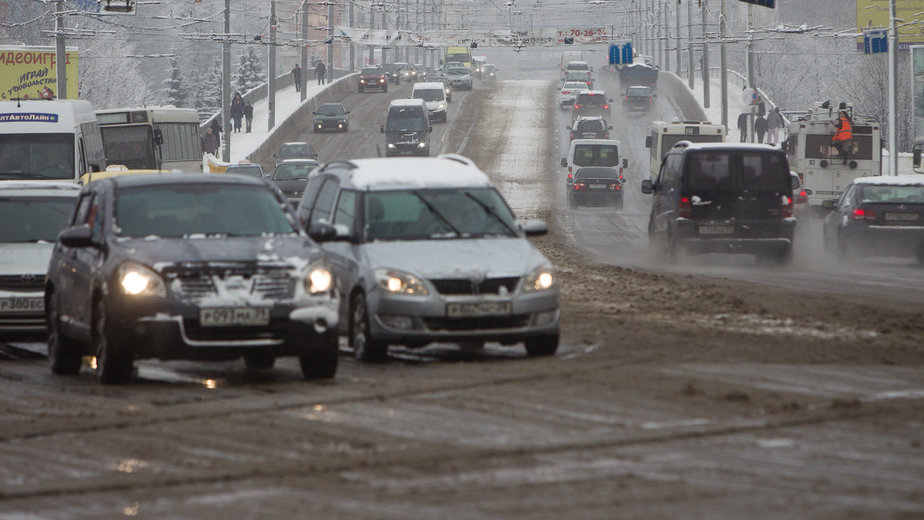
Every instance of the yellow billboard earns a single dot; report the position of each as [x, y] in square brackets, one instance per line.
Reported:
[32, 73]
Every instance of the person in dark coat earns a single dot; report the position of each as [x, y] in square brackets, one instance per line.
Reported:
[216, 128]
[320, 71]
[743, 126]
[248, 115]
[237, 111]
[760, 127]
[774, 123]
[297, 77]
[210, 142]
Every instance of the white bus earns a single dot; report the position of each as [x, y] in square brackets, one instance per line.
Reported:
[818, 162]
[152, 138]
[665, 135]
[49, 140]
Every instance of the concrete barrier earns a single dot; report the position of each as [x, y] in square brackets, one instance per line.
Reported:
[299, 121]
[673, 86]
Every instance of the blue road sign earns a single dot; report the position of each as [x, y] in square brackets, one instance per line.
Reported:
[765, 3]
[620, 54]
[875, 41]
[627, 53]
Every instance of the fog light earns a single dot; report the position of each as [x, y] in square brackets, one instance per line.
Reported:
[396, 322]
[544, 318]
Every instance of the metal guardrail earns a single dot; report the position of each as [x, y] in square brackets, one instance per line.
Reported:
[740, 80]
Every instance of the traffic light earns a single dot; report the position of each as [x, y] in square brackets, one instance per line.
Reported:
[474, 45]
[117, 6]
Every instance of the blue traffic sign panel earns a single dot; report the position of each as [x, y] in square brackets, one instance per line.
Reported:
[765, 3]
[875, 42]
[620, 54]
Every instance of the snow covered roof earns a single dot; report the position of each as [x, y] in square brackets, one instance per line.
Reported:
[407, 102]
[428, 85]
[732, 146]
[444, 171]
[888, 180]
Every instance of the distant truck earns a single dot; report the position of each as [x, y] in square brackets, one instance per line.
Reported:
[566, 58]
[816, 160]
[638, 74]
[462, 55]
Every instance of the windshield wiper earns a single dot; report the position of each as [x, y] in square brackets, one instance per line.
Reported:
[490, 211]
[24, 175]
[437, 213]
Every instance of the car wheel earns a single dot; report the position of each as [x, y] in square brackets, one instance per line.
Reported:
[365, 348]
[320, 362]
[542, 346]
[260, 360]
[113, 364]
[64, 355]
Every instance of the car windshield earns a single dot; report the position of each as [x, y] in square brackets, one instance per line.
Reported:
[251, 170]
[371, 72]
[199, 209]
[437, 214]
[330, 110]
[596, 155]
[33, 219]
[405, 119]
[638, 92]
[289, 172]
[892, 194]
[594, 100]
[37, 156]
[430, 94]
[299, 150]
[390, 67]
[457, 71]
[574, 85]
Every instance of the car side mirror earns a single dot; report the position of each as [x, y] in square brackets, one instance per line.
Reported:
[533, 228]
[564, 162]
[648, 141]
[625, 163]
[610, 100]
[77, 236]
[647, 187]
[347, 112]
[322, 231]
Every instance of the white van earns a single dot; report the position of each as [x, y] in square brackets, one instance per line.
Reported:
[49, 140]
[593, 152]
[434, 95]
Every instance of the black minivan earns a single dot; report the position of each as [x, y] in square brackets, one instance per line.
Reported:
[407, 128]
[722, 198]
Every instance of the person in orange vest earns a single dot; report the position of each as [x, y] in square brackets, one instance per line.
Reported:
[843, 137]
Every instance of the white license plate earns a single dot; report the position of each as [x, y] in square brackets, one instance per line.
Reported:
[597, 186]
[231, 316]
[466, 310]
[22, 304]
[902, 216]
[716, 230]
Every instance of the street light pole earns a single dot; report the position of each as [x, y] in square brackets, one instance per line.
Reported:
[691, 69]
[677, 39]
[271, 94]
[893, 121]
[60, 52]
[226, 85]
[304, 65]
[706, 103]
[723, 65]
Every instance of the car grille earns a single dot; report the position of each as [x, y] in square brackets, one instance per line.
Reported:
[19, 282]
[467, 286]
[270, 283]
[275, 330]
[515, 321]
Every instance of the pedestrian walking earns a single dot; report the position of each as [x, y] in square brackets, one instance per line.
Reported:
[320, 71]
[210, 142]
[237, 111]
[297, 77]
[760, 128]
[774, 123]
[743, 126]
[216, 128]
[248, 115]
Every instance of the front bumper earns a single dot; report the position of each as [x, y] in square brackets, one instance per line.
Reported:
[166, 329]
[416, 320]
[22, 312]
[329, 124]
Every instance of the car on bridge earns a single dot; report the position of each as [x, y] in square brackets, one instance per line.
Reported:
[372, 78]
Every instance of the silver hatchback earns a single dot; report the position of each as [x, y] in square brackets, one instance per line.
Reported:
[429, 251]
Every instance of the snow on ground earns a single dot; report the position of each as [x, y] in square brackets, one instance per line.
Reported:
[714, 112]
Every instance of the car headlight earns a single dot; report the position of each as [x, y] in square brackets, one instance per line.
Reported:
[390, 145]
[399, 282]
[422, 144]
[319, 280]
[541, 279]
[138, 280]
[441, 106]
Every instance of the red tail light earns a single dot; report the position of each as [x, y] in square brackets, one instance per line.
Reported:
[606, 106]
[569, 174]
[572, 135]
[864, 214]
[802, 198]
[615, 186]
[606, 135]
[627, 99]
[577, 107]
[650, 99]
[565, 91]
[588, 83]
[786, 209]
[685, 208]
[578, 186]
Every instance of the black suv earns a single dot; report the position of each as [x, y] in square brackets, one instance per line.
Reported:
[722, 198]
[176, 266]
[589, 127]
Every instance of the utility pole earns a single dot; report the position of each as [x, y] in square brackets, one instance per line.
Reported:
[665, 23]
[371, 35]
[352, 45]
[893, 122]
[706, 103]
[723, 64]
[659, 58]
[60, 52]
[271, 121]
[226, 85]
[691, 69]
[304, 64]
[330, 40]
[750, 46]
[677, 39]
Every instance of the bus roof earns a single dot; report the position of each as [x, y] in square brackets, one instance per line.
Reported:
[112, 116]
[40, 116]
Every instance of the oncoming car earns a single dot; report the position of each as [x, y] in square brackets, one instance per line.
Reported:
[374, 78]
[331, 116]
[291, 176]
[459, 77]
[431, 258]
[878, 216]
[178, 266]
[33, 213]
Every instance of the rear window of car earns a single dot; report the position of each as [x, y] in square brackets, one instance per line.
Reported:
[592, 99]
[892, 194]
[590, 125]
[758, 171]
[638, 92]
[596, 155]
[577, 66]
[572, 85]
[596, 173]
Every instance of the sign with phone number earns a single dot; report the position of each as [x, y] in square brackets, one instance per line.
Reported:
[584, 35]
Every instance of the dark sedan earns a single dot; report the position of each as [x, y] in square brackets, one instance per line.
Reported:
[291, 177]
[638, 99]
[596, 186]
[331, 116]
[178, 266]
[878, 216]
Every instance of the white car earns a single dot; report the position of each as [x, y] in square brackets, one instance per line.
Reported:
[33, 213]
[569, 91]
[459, 78]
[434, 95]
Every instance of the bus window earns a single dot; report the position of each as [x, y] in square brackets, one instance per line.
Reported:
[129, 146]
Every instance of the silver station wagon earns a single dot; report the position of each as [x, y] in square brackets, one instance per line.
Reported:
[429, 251]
